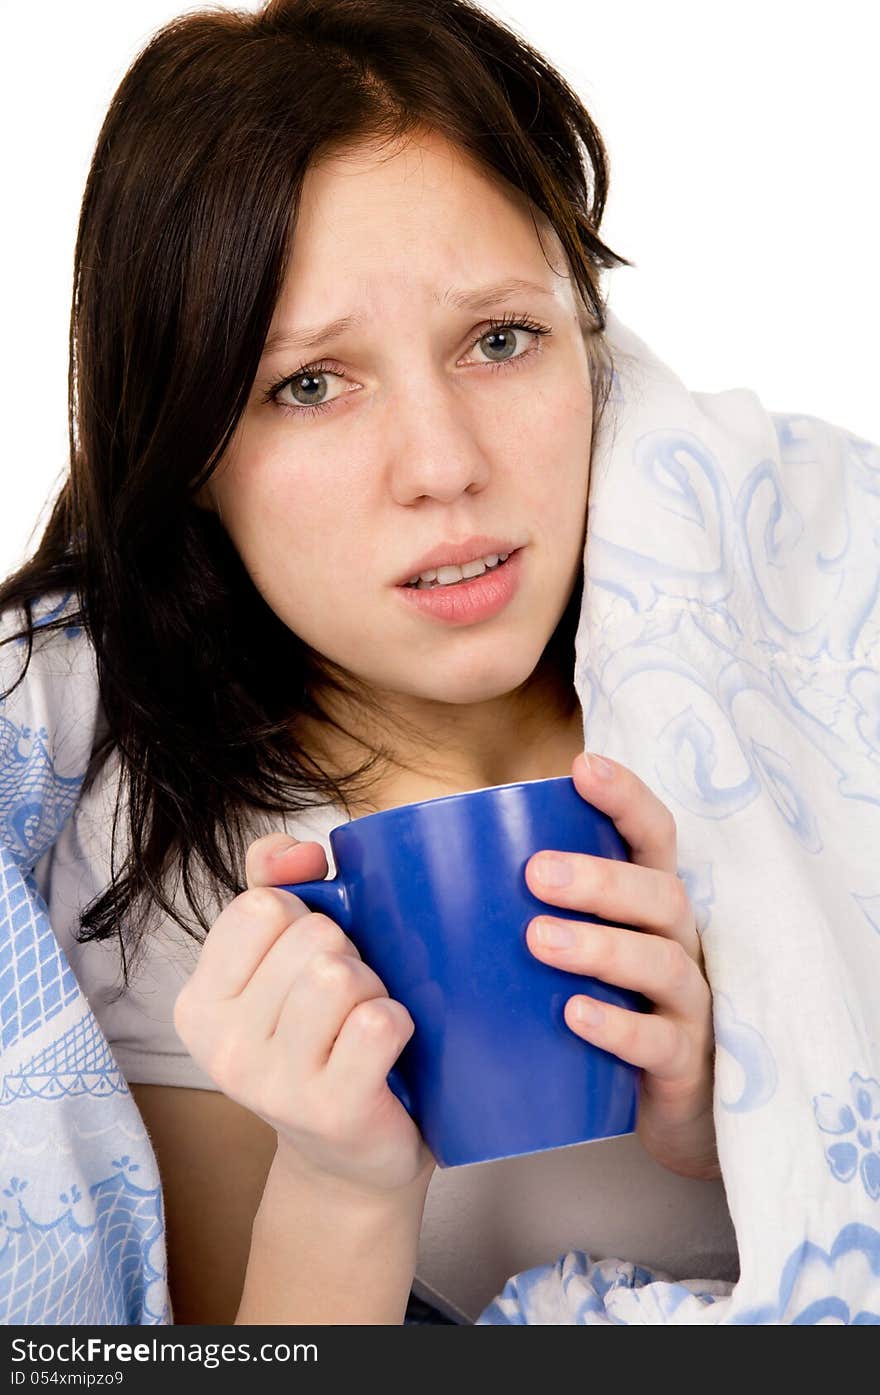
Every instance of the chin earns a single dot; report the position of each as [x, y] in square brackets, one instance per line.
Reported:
[497, 680]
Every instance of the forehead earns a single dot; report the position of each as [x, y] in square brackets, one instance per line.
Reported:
[416, 209]
[422, 161]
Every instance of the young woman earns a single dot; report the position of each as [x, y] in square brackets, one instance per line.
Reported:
[338, 346]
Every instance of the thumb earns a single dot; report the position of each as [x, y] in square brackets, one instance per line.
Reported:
[278, 858]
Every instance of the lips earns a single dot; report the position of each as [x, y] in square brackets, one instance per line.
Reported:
[455, 554]
[469, 602]
[462, 581]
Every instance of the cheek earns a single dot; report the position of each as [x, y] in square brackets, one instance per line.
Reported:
[569, 429]
[554, 457]
[272, 506]
[572, 404]
[553, 416]
[298, 521]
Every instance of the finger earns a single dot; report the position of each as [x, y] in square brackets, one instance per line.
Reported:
[620, 892]
[277, 859]
[656, 1043]
[286, 961]
[642, 820]
[306, 1014]
[239, 938]
[370, 1041]
[660, 969]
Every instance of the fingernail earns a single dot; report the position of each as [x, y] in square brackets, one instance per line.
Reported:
[553, 935]
[552, 871]
[285, 848]
[588, 1013]
[598, 766]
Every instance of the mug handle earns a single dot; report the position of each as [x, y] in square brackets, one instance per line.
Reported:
[330, 896]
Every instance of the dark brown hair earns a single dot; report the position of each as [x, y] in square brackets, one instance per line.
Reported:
[181, 252]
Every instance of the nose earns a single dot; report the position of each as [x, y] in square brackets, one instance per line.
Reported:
[436, 448]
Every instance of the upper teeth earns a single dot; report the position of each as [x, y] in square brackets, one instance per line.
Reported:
[445, 576]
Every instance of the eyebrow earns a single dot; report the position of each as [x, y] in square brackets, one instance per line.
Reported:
[476, 299]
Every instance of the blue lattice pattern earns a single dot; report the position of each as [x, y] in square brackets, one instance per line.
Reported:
[56, 1271]
[36, 980]
[80, 1241]
[35, 801]
[35, 798]
[79, 1062]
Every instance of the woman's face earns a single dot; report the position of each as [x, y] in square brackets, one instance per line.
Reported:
[433, 429]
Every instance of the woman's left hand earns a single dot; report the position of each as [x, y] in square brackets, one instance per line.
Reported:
[673, 1044]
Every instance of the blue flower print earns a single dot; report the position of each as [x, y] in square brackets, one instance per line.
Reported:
[860, 1152]
[835, 1287]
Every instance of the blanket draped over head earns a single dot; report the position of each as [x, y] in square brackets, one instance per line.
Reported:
[728, 652]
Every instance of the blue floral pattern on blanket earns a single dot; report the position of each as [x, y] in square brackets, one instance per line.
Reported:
[82, 1235]
[745, 1044]
[587, 1292]
[856, 1126]
[814, 1283]
[812, 1290]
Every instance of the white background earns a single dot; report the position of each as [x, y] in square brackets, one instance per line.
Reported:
[742, 137]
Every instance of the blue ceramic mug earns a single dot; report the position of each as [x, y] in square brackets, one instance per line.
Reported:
[434, 897]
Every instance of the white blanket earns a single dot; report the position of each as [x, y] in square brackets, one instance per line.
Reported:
[727, 652]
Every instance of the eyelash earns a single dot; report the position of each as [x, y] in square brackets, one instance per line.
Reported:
[509, 321]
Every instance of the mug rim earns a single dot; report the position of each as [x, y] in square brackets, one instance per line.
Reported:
[446, 798]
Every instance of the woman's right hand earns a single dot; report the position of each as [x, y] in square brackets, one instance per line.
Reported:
[286, 1018]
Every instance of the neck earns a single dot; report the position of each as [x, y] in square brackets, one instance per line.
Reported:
[531, 733]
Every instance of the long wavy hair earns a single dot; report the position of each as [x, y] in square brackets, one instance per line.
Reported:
[182, 246]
